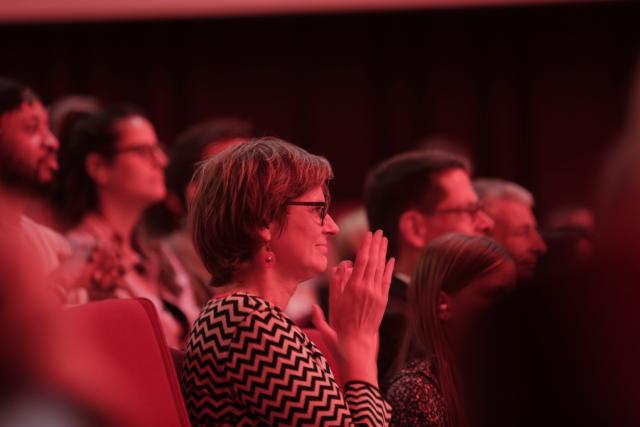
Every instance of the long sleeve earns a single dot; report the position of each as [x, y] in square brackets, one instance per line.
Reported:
[285, 382]
[247, 364]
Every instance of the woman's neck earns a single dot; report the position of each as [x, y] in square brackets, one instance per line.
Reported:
[267, 283]
[121, 217]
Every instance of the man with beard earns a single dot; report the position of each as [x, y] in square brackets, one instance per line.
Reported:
[27, 167]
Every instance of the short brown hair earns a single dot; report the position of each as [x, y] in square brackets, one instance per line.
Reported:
[242, 189]
[406, 181]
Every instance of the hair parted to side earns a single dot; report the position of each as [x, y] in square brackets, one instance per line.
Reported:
[448, 264]
[406, 181]
[493, 188]
[243, 189]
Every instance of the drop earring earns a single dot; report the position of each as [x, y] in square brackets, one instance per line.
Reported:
[269, 258]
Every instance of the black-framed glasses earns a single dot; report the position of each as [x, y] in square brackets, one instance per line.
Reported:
[473, 210]
[323, 205]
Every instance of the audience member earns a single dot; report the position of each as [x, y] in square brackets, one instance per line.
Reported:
[415, 197]
[514, 361]
[63, 115]
[510, 206]
[27, 166]
[611, 296]
[457, 279]
[112, 169]
[260, 224]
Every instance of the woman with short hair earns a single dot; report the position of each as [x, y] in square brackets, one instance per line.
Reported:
[260, 224]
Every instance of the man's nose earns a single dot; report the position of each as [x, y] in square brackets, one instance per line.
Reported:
[484, 223]
[50, 141]
[539, 246]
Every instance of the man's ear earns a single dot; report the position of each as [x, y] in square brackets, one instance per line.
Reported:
[413, 228]
[444, 307]
[96, 168]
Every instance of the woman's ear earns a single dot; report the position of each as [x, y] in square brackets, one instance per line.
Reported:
[413, 228]
[96, 168]
[265, 233]
[266, 252]
[444, 306]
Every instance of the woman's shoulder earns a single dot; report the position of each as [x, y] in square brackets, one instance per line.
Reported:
[235, 315]
[415, 396]
[417, 377]
[418, 368]
[242, 304]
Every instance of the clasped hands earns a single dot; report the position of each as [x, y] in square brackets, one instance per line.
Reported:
[358, 294]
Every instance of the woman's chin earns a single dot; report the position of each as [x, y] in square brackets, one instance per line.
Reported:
[322, 266]
[315, 271]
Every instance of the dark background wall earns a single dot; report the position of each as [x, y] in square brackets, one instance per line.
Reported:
[536, 94]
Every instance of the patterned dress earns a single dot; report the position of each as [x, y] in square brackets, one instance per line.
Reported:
[247, 364]
[415, 397]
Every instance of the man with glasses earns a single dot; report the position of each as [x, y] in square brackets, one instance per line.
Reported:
[415, 197]
[510, 206]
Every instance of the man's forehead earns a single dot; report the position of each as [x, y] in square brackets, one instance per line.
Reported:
[456, 186]
[512, 211]
[28, 108]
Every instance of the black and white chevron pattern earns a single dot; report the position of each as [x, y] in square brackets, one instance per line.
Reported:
[247, 364]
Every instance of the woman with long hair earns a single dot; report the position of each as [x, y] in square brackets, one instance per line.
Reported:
[260, 223]
[457, 279]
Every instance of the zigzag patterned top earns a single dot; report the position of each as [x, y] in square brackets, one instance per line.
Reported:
[247, 364]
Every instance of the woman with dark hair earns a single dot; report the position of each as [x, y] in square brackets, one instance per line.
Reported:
[457, 279]
[260, 224]
[110, 172]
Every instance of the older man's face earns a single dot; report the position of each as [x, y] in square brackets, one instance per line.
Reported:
[516, 229]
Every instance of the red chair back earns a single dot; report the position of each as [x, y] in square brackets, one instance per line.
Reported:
[127, 334]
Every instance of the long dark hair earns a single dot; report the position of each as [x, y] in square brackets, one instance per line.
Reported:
[448, 264]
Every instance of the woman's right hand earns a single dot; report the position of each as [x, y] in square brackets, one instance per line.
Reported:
[358, 298]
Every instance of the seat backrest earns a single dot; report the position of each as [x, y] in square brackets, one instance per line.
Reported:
[129, 337]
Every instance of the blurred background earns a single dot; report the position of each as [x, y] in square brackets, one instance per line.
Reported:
[533, 91]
